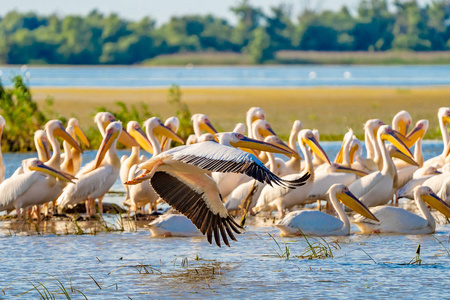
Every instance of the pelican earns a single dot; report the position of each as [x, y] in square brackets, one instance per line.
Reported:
[444, 119]
[419, 177]
[178, 176]
[401, 221]
[373, 162]
[317, 223]
[253, 114]
[72, 156]
[281, 198]
[103, 119]
[29, 188]
[200, 122]
[293, 165]
[437, 182]
[94, 180]
[2, 166]
[239, 128]
[173, 124]
[142, 194]
[401, 122]
[173, 225]
[377, 188]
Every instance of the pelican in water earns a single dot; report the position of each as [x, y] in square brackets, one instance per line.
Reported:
[142, 194]
[95, 179]
[442, 159]
[173, 225]
[281, 198]
[378, 188]
[178, 177]
[72, 156]
[317, 223]
[2, 166]
[400, 221]
[419, 177]
[29, 188]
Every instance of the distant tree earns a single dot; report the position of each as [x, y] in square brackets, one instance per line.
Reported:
[259, 46]
[249, 19]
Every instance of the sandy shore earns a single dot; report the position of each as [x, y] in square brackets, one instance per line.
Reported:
[331, 110]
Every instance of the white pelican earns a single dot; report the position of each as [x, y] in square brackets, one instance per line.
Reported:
[401, 122]
[173, 225]
[2, 166]
[200, 122]
[317, 223]
[419, 177]
[239, 128]
[94, 180]
[253, 114]
[103, 119]
[281, 198]
[72, 156]
[398, 220]
[378, 188]
[444, 120]
[173, 124]
[374, 159]
[29, 188]
[293, 165]
[437, 182]
[178, 176]
[142, 194]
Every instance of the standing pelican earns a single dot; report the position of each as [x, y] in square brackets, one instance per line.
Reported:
[444, 120]
[103, 119]
[94, 180]
[317, 223]
[72, 156]
[29, 188]
[401, 221]
[253, 114]
[178, 176]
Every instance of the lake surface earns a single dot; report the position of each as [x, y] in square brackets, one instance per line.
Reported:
[266, 76]
[134, 265]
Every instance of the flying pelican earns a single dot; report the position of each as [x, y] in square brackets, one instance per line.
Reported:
[142, 194]
[281, 198]
[444, 119]
[398, 220]
[94, 180]
[178, 176]
[72, 157]
[317, 223]
[173, 225]
[378, 188]
[29, 188]
[2, 166]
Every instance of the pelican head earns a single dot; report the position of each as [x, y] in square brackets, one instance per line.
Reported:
[346, 140]
[41, 142]
[386, 133]
[55, 127]
[173, 124]
[427, 195]
[135, 130]
[306, 137]
[444, 115]
[263, 127]
[103, 119]
[275, 140]
[35, 164]
[206, 137]
[203, 123]
[348, 199]
[355, 149]
[78, 131]
[239, 128]
[297, 126]
[112, 133]
[235, 139]
[255, 113]
[373, 125]
[155, 125]
[418, 132]
[401, 122]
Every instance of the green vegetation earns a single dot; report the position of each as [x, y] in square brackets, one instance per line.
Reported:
[257, 37]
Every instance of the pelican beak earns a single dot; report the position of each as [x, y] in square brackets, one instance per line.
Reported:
[415, 134]
[62, 133]
[315, 146]
[293, 153]
[80, 134]
[260, 145]
[343, 169]
[437, 172]
[434, 201]
[208, 127]
[446, 120]
[403, 127]
[109, 138]
[394, 138]
[41, 167]
[403, 138]
[165, 131]
[140, 137]
[147, 175]
[357, 206]
[126, 139]
[352, 153]
[448, 151]
[340, 156]
[400, 155]
[43, 144]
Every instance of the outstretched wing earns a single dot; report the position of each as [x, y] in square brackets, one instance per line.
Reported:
[197, 197]
[219, 158]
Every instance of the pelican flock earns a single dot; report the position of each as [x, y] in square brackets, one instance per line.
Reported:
[218, 175]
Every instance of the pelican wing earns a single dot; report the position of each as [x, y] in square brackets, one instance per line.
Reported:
[323, 182]
[14, 187]
[365, 184]
[219, 158]
[407, 190]
[197, 197]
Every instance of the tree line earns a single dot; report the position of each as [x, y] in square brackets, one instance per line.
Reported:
[109, 39]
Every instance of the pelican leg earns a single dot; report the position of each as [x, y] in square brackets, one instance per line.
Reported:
[38, 213]
[92, 210]
[54, 207]
[45, 209]
[87, 203]
[100, 205]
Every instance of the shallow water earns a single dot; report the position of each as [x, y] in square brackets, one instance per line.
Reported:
[134, 264]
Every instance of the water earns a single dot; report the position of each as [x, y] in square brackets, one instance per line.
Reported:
[134, 264]
[266, 76]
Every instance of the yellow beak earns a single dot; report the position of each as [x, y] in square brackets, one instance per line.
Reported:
[260, 145]
[104, 147]
[446, 120]
[403, 127]
[41, 167]
[394, 152]
[343, 169]
[62, 133]
[434, 201]
[352, 153]
[208, 127]
[44, 146]
[357, 206]
[126, 139]
[165, 131]
[315, 146]
[340, 156]
[80, 134]
[394, 138]
[142, 140]
[414, 135]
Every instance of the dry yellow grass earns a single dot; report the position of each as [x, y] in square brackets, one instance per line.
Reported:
[331, 110]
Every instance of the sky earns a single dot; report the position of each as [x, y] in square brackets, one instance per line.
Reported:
[162, 10]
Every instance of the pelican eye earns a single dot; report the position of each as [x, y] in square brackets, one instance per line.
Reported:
[239, 136]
